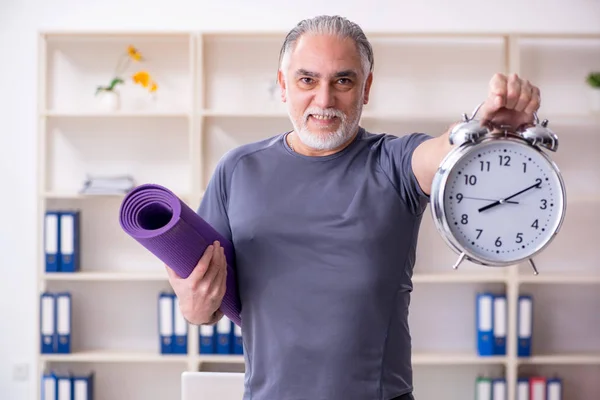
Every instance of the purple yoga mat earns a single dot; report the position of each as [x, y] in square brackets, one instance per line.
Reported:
[162, 223]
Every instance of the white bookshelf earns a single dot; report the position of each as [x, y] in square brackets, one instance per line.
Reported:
[214, 95]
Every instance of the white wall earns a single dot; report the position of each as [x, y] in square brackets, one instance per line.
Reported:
[20, 21]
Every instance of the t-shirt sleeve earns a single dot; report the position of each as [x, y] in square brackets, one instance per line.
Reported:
[396, 160]
[213, 207]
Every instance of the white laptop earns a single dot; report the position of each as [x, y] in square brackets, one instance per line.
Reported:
[212, 385]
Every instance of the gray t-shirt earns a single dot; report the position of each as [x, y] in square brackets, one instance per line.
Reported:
[325, 249]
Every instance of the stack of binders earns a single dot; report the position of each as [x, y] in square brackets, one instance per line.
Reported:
[72, 387]
[55, 323]
[539, 388]
[62, 240]
[491, 324]
[172, 326]
[223, 338]
[491, 388]
[533, 388]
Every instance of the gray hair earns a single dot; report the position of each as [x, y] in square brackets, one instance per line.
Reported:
[332, 25]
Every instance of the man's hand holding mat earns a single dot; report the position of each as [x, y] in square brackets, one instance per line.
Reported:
[201, 293]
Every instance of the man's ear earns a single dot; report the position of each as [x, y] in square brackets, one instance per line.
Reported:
[367, 88]
[282, 83]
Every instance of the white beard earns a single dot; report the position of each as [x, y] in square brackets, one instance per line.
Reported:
[331, 140]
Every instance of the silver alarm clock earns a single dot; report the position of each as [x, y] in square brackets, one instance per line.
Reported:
[497, 198]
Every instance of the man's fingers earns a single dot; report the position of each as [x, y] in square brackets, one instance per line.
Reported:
[219, 264]
[496, 97]
[220, 283]
[534, 102]
[524, 97]
[513, 91]
[203, 264]
[498, 92]
[213, 265]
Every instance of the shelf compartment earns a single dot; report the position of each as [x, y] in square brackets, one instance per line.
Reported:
[104, 246]
[579, 382]
[150, 150]
[408, 70]
[544, 61]
[434, 311]
[566, 323]
[76, 66]
[226, 88]
[116, 322]
[128, 379]
[452, 382]
[577, 160]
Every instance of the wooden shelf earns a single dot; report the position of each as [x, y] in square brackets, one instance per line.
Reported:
[80, 196]
[115, 357]
[418, 359]
[459, 277]
[116, 114]
[105, 276]
[562, 359]
[561, 278]
[456, 359]
[220, 359]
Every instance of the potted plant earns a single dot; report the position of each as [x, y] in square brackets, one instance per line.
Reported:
[593, 80]
[108, 96]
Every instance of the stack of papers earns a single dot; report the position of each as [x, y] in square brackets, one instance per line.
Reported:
[108, 185]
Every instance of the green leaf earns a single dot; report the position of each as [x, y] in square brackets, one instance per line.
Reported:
[593, 79]
[100, 89]
[114, 83]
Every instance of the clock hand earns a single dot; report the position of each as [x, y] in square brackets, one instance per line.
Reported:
[501, 201]
[483, 198]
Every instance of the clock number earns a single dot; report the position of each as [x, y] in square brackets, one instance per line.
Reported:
[538, 181]
[485, 165]
[465, 219]
[524, 167]
[535, 224]
[519, 237]
[470, 180]
[459, 197]
[498, 242]
[544, 204]
[480, 232]
[504, 161]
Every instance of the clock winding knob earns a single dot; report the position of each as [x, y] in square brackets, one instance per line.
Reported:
[540, 135]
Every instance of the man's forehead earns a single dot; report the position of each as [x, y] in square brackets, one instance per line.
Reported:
[326, 49]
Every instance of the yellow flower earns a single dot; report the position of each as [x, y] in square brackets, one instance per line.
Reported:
[142, 78]
[134, 53]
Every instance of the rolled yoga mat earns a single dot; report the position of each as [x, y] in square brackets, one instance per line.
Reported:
[162, 223]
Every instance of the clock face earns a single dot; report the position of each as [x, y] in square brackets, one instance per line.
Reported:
[503, 201]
